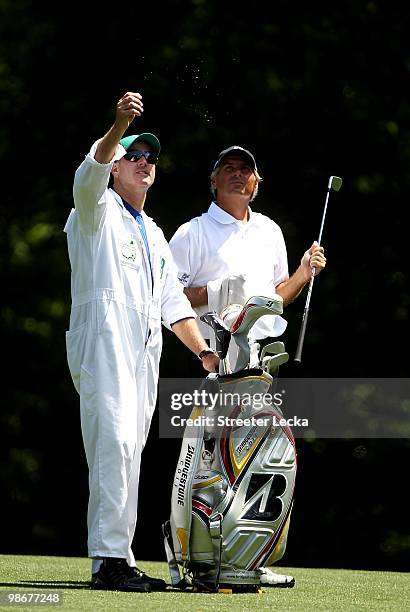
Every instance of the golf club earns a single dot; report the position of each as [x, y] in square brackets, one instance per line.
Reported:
[271, 363]
[274, 348]
[335, 183]
[255, 308]
[221, 331]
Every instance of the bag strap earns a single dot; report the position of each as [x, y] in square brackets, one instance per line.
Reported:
[215, 531]
[176, 579]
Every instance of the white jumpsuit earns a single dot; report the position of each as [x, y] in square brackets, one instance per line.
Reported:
[114, 347]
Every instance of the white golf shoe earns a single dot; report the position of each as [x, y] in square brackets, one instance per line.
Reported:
[270, 579]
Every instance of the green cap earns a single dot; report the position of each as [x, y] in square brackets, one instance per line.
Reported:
[150, 139]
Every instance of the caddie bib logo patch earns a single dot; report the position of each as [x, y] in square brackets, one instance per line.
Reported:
[129, 250]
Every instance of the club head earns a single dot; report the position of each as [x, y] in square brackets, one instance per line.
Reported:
[273, 349]
[335, 183]
[221, 331]
[271, 363]
[256, 307]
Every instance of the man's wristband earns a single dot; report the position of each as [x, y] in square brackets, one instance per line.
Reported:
[202, 354]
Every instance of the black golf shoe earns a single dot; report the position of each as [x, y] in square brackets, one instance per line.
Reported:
[116, 575]
[156, 584]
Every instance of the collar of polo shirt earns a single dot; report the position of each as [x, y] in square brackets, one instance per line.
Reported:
[220, 215]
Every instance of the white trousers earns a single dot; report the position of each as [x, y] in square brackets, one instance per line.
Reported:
[117, 401]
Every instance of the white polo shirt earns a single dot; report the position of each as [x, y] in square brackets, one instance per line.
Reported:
[216, 246]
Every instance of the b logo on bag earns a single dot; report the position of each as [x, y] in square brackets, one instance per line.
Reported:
[267, 506]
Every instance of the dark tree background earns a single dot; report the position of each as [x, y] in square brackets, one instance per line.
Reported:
[313, 89]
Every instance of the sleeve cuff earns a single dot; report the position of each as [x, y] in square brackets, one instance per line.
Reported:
[179, 320]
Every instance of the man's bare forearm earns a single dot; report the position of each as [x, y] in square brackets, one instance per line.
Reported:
[312, 262]
[107, 146]
[292, 287]
[198, 296]
[188, 332]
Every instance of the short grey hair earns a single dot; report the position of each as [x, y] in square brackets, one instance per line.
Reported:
[258, 177]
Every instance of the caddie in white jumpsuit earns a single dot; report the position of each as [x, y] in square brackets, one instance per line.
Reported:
[123, 284]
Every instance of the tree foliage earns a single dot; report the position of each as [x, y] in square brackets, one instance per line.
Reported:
[313, 90]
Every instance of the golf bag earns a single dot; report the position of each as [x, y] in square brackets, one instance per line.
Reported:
[234, 482]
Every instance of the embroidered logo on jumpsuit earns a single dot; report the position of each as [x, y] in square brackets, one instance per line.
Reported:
[129, 250]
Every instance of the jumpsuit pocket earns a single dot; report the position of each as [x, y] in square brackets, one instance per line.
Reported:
[76, 341]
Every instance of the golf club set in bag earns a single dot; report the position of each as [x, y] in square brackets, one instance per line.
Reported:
[234, 483]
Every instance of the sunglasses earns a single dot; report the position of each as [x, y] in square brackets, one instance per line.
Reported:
[134, 156]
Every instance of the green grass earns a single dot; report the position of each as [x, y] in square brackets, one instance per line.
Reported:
[315, 589]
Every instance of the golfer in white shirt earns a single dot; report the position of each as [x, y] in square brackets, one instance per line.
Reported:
[231, 252]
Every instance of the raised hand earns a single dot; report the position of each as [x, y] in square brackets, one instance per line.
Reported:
[128, 107]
